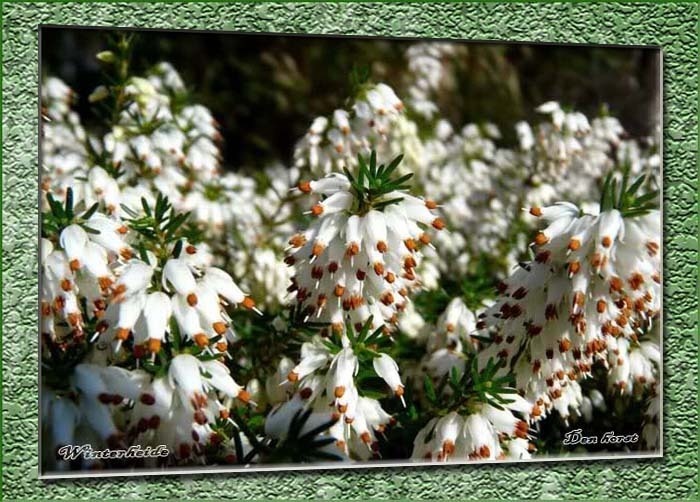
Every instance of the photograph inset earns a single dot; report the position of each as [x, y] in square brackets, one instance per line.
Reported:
[264, 250]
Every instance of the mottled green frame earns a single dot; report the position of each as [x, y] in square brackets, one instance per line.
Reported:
[673, 26]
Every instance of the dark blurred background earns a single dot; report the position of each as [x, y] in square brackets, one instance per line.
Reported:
[266, 89]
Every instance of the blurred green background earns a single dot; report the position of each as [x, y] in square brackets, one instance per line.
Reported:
[266, 89]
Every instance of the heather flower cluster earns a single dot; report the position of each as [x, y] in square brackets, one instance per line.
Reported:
[401, 288]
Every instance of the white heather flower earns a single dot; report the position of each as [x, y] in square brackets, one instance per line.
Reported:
[158, 310]
[591, 291]
[429, 65]
[388, 370]
[455, 326]
[334, 142]
[133, 280]
[73, 240]
[110, 235]
[353, 266]
[326, 384]
[488, 433]
[177, 274]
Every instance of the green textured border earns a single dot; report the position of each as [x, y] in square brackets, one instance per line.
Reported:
[673, 26]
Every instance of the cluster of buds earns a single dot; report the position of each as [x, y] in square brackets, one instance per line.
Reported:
[80, 266]
[359, 257]
[333, 143]
[589, 295]
[487, 434]
[179, 409]
[326, 383]
[193, 293]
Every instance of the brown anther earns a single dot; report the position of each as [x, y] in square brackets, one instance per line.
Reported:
[154, 422]
[59, 303]
[352, 249]
[574, 244]
[536, 366]
[219, 327]
[541, 239]
[66, 285]
[317, 210]
[104, 282]
[317, 272]
[410, 245]
[122, 334]
[126, 253]
[154, 345]
[74, 265]
[248, 303]
[105, 398]
[379, 268]
[574, 267]
[536, 211]
[387, 298]
[438, 224]
[338, 290]
[636, 280]
[543, 256]
[382, 247]
[243, 395]
[360, 275]
[365, 437]
[201, 340]
[652, 248]
[200, 418]
[221, 346]
[317, 249]
[306, 392]
[550, 312]
[339, 391]
[190, 249]
[564, 345]
[607, 241]
[519, 293]
[123, 230]
[297, 240]
[192, 299]
[424, 239]
[304, 186]
[549, 353]
[147, 399]
[534, 330]
[615, 284]
[448, 448]
[332, 267]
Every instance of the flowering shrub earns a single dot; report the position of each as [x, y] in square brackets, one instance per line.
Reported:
[342, 309]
